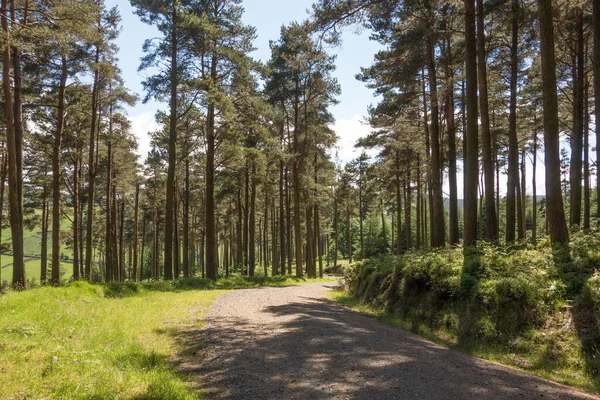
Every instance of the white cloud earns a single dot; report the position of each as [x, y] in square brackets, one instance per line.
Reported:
[348, 132]
[142, 125]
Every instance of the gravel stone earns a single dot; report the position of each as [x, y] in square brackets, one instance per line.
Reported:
[294, 343]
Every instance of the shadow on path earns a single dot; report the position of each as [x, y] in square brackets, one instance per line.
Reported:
[292, 343]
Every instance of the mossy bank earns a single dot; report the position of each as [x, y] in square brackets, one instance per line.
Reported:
[531, 307]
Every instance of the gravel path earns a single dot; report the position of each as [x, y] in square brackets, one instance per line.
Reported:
[294, 343]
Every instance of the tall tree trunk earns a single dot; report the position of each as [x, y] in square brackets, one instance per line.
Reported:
[428, 156]
[44, 244]
[246, 219]
[203, 252]
[252, 224]
[176, 247]
[348, 232]
[336, 230]
[438, 229]
[586, 157]
[471, 140]
[121, 240]
[288, 222]
[577, 135]
[398, 205]
[383, 228]
[407, 205]
[155, 272]
[108, 266]
[3, 172]
[266, 232]
[143, 249]
[240, 249]
[534, 180]
[274, 240]
[486, 137]
[172, 149]
[14, 151]
[282, 217]
[186, 221]
[113, 225]
[92, 171]
[76, 219]
[452, 167]
[309, 238]
[513, 145]
[523, 213]
[418, 205]
[296, 188]
[481, 189]
[134, 241]
[319, 239]
[596, 73]
[519, 208]
[56, 173]
[555, 212]
[361, 211]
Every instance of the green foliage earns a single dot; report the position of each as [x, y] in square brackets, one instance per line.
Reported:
[509, 304]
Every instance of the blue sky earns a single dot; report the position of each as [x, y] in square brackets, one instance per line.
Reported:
[267, 16]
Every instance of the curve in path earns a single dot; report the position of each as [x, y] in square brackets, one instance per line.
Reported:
[294, 343]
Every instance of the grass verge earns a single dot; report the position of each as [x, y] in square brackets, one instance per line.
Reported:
[115, 341]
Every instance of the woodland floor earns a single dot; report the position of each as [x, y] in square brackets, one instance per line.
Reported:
[294, 343]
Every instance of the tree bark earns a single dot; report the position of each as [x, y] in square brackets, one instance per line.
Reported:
[488, 164]
[407, 204]
[252, 224]
[56, 173]
[596, 73]
[282, 217]
[15, 152]
[452, 167]
[92, 172]
[246, 219]
[398, 205]
[296, 188]
[172, 149]
[76, 219]
[186, 221]
[108, 266]
[471, 140]
[134, 241]
[534, 180]
[143, 249]
[555, 213]
[176, 247]
[513, 145]
[438, 229]
[121, 240]
[523, 213]
[586, 157]
[577, 134]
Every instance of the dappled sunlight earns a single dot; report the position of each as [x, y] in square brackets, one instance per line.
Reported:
[313, 348]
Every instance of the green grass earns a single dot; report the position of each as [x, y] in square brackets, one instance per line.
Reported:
[114, 341]
[32, 239]
[552, 353]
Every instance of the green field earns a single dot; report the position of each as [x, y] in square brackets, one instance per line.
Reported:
[32, 242]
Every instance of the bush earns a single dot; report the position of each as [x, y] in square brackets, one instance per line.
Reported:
[496, 292]
[511, 304]
[590, 296]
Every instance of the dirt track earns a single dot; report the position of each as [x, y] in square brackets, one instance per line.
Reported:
[294, 343]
